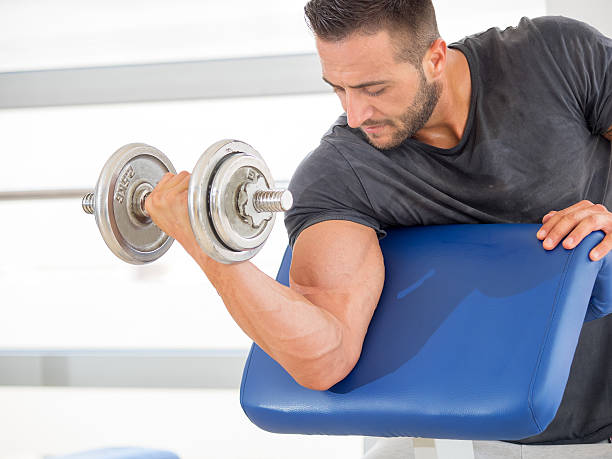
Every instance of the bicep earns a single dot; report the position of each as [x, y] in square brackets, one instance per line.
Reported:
[338, 266]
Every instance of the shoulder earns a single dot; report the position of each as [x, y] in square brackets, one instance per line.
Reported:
[548, 41]
[341, 147]
[568, 38]
[323, 160]
[578, 49]
[560, 27]
[531, 34]
[328, 184]
[346, 140]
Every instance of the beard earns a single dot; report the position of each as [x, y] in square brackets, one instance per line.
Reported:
[413, 119]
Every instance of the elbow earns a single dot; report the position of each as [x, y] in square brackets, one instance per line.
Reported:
[322, 365]
[317, 384]
[325, 373]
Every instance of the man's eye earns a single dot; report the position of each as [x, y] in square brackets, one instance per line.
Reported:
[376, 93]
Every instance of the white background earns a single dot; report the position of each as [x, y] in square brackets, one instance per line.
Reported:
[61, 288]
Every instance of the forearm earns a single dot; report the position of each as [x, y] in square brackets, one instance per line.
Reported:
[303, 338]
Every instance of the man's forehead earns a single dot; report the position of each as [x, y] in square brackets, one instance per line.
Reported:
[356, 61]
[358, 47]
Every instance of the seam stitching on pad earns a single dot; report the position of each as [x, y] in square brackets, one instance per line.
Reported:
[560, 289]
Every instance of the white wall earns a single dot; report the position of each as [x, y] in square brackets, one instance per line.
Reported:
[72, 33]
[62, 288]
[598, 13]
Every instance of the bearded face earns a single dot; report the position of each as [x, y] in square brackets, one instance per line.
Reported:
[389, 99]
[410, 121]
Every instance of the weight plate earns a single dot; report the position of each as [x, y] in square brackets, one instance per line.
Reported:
[132, 169]
[233, 229]
[213, 211]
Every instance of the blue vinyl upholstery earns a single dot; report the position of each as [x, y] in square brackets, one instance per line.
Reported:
[473, 338]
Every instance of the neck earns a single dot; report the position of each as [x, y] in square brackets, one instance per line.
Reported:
[447, 123]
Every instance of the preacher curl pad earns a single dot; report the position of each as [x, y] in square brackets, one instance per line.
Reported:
[473, 338]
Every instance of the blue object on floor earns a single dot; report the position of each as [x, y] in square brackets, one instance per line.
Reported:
[119, 453]
[473, 338]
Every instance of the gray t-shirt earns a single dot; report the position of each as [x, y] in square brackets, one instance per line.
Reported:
[541, 100]
[541, 95]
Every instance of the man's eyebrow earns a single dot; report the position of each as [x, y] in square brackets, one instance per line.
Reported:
[359, 86]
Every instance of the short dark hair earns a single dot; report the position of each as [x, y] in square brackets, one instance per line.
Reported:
[411, 23]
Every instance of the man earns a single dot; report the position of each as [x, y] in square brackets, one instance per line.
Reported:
[505, 126]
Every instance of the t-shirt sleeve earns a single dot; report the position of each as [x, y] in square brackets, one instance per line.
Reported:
[325, 187]
[584, 55]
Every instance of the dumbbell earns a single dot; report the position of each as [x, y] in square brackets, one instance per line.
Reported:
[232, 202]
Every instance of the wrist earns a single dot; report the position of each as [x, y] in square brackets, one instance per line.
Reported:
[196, 252]
[191, 246]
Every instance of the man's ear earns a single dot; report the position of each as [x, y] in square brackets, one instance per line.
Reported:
[434, 60]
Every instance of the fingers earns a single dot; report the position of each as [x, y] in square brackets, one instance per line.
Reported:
[573, 224]
[582, 222]
[172, 184]
[168, 187]
[548, 215]
[588, 223]
[168, 176]
[170, 181]
[601, 249]
[176, 188]
[559, 224]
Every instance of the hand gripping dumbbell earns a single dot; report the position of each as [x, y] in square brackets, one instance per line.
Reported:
[232, 202]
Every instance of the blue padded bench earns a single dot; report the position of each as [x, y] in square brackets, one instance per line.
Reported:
[473, 338]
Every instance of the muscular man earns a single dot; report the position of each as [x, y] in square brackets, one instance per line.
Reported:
[504, 126]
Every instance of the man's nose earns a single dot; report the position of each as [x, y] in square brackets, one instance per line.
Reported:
[358, 110]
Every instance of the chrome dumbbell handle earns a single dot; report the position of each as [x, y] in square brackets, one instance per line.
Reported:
[276, 200]
[89, 205]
